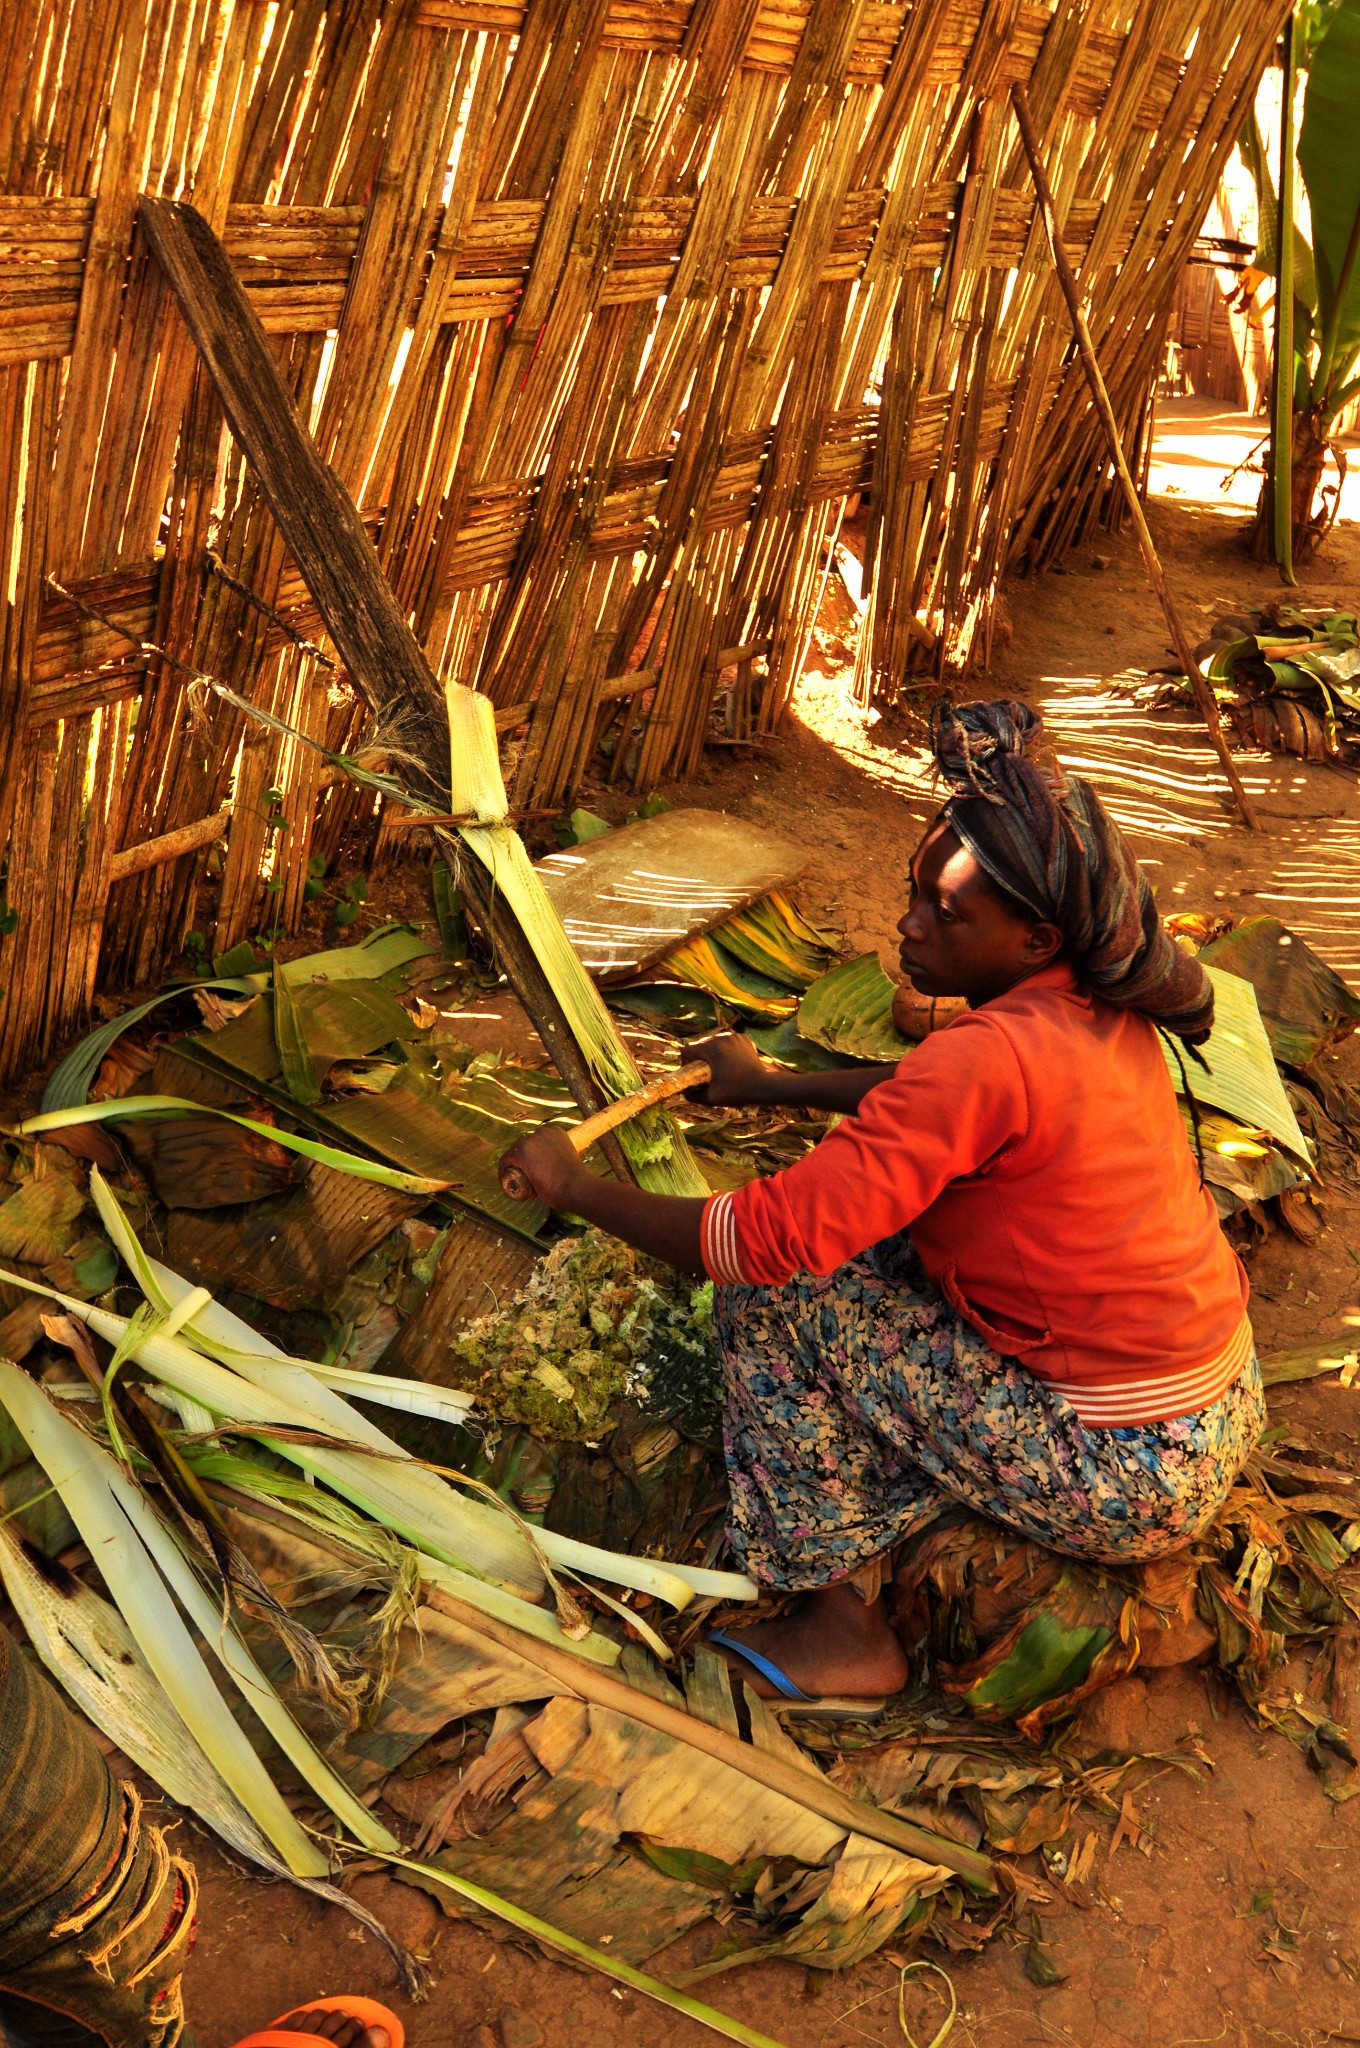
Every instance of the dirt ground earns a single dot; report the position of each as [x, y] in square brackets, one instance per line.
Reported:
[1173, 1951]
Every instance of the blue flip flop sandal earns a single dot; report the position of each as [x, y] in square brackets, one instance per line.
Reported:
[793, 1703]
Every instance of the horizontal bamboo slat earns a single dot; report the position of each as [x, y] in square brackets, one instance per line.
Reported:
[297, 262]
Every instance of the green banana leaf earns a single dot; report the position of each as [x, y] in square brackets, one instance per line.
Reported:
[456, 1136]
[453, 1132]
[1251, 148]
[1050, 1657]
[1223, 663]
[383, 952]
[1329, 160]
[449, 914]
[1238, 1075]
[290, 1040]
[1290, 676]
[131, 1106]
[692, 1866]
[327, 1021]
[785, 1043]
[672, 1006]
[71, 1081]
[583, 826]
[850, 1011]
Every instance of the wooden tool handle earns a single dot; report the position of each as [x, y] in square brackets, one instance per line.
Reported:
[584, 1134]
[623, 1111]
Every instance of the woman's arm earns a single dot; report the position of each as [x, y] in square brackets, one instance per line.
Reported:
[742, 1079]
[666, 1226]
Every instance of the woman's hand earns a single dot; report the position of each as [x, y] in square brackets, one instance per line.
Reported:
[549, 1162]
[740, 1075]
[666, 1226]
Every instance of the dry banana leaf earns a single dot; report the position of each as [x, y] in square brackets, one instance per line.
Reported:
[706, 963]
[1305, 1005]
[197, 1162]
[292, 1249]
[591, 1783]
[39, 1221]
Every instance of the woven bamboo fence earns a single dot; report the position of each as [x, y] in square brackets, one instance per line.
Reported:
[602, 310]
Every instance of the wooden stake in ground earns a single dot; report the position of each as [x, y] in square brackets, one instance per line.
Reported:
[1086, 348]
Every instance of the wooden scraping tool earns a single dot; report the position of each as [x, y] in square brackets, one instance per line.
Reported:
[584, 1134]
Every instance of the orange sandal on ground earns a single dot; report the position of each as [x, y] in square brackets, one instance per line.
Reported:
[366, 2011]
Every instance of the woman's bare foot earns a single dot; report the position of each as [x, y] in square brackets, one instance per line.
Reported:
[337, 2027]
[834, 1643]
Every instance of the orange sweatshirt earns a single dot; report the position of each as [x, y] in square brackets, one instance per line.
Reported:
[1035, 1150]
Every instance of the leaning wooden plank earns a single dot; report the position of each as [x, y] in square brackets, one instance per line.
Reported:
[314, 512]
[322, 526]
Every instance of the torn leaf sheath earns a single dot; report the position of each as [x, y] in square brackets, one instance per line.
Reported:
[656, 1151]
[653, 1144]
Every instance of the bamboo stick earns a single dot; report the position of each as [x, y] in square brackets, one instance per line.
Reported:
[592, 1128]
[1179, 637]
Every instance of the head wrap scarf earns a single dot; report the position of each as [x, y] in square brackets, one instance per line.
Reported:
[1054, 847]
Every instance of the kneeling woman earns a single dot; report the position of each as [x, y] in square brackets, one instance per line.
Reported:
[1000, 1281]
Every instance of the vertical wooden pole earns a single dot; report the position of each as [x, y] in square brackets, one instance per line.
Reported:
[1105, 411]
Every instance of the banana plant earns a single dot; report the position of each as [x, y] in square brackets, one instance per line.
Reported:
[1316, 370]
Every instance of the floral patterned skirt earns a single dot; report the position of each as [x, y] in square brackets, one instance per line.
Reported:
[860, 1407]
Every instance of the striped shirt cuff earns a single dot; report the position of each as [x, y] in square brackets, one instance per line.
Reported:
[718, 1241]
[1125, 1404]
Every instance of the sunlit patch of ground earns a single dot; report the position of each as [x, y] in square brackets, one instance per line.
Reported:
[1156, 769]
[1158, 774]
[1210, 455]
[1316, 890]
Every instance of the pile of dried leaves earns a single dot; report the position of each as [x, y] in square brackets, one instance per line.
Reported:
[597, 1821]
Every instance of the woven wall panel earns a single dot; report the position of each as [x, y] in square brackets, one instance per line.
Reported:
[602, 309]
